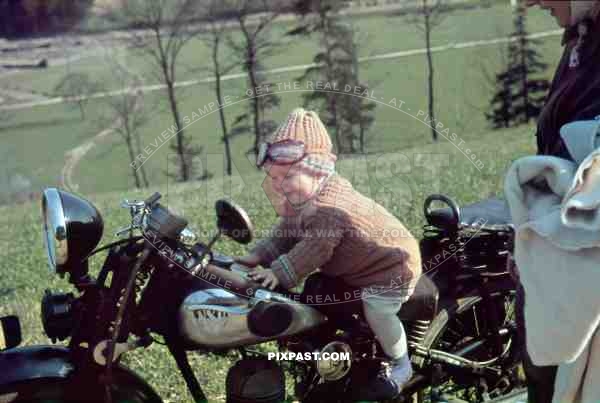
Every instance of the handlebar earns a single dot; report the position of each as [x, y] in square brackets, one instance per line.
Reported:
[153, 199]
[135, 204]
[140, 204]
[217, 269]
[223, 272]
[149, 215]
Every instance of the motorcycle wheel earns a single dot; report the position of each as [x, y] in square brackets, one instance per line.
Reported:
[456, 327]
[56, 391]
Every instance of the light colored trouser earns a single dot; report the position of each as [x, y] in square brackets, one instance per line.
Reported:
[381, 306]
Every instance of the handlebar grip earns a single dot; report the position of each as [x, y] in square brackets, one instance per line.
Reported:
[153, 199]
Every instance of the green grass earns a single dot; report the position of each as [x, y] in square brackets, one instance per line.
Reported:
[382, 34]
[462, 97]
[403, 165]
[33, 142]
[400, 182]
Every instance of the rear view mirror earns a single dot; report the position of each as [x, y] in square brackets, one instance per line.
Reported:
[233, 221]
[10, 332]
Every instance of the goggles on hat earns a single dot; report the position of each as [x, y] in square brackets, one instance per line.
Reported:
[283, 152]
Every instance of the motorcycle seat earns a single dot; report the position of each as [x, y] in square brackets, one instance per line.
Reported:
[422, 304]
[490, 214]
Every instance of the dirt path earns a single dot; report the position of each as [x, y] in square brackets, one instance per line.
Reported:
[22, 96]
[75, 155]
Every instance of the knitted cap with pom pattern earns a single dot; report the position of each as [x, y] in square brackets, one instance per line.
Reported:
[306, 127]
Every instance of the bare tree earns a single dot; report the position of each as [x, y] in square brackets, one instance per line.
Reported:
[76, 88]
[256, 45]
[127, 115]
[217, 38]
[428, 15]
[164, 29]
[127, 108]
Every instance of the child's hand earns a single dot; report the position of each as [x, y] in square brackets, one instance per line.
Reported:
[266, 277]
[250, 260]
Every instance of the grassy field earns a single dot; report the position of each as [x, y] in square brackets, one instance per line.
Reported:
[33, 142]
[380, 34]
[400, 181]
[401, 168]
[462, 95]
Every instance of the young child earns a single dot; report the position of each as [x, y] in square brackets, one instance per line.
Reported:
[328, 225]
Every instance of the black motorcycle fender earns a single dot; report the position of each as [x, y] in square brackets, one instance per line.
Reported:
[22, 364]
[34, 362]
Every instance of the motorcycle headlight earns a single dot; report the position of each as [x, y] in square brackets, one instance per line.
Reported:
[55, 229]
[72, 228]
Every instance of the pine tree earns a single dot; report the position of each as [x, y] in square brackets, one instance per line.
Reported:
[346, 115]
[520, 95]
[359, 111]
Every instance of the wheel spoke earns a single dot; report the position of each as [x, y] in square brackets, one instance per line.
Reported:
[476, 321]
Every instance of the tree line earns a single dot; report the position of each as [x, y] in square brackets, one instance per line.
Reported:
[165, 29]
[20, 18]
[24, 18]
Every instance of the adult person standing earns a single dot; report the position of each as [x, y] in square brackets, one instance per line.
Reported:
[574, 95]
[575, 90]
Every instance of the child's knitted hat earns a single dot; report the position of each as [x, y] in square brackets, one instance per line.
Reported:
[306, 127]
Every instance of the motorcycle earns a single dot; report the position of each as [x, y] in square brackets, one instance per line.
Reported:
[10, 332]
[160, 280]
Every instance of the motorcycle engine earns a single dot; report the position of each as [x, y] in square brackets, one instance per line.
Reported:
[254, 380]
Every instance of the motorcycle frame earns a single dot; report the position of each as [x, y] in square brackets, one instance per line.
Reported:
[157, 307]
[484, 285]
[446, 364]
[440, 364]
[150, 314]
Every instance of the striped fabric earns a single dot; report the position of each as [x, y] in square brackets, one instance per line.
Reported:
[317, 165]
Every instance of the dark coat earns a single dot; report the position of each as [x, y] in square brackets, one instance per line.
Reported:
[574, 93]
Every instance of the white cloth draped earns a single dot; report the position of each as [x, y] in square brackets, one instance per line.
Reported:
[555, 207]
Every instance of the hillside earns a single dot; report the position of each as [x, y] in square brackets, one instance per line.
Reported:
[34, 142]
[400, 181]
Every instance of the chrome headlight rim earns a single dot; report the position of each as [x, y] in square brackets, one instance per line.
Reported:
[55, 229]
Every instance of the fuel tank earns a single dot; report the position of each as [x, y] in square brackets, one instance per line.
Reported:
[217, 318]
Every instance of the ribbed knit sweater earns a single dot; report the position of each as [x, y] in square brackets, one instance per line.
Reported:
[345, 235]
